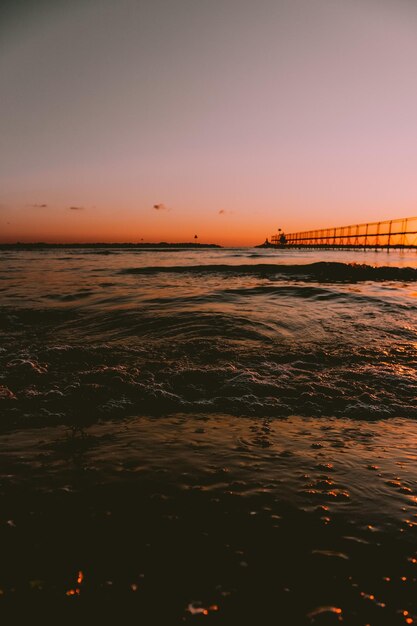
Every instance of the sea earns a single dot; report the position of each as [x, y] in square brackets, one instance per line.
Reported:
[214, 435]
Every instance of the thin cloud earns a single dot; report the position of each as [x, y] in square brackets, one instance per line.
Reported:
[39, 206]
[76, 208]
[161, 207]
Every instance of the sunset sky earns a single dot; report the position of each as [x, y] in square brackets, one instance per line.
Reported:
[162, 119]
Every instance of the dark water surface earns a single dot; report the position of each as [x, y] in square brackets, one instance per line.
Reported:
[220, 436]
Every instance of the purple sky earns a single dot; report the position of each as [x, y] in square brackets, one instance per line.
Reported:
[233, 117]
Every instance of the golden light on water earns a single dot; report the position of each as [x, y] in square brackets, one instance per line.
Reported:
[325, 610]
[76, 591]
[195, 609]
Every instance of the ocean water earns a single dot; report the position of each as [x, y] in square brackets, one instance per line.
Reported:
[231, 432]
[90, 334]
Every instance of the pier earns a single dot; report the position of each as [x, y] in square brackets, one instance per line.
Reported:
[398, 233]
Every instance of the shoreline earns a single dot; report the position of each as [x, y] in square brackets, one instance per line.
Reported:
[47, 246]
[240, 517]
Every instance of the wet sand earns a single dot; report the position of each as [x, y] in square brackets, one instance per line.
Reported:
[212, 519]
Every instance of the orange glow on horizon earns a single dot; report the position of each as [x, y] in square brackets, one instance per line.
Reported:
[50, 226]
[229, 141]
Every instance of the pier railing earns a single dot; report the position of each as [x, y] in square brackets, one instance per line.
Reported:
[398, 233]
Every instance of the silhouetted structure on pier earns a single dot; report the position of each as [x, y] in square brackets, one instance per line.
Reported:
[398, 233]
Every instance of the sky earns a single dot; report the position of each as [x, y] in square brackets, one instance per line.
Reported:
[123, 120]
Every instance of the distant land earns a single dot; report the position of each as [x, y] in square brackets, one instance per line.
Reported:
[45, 246]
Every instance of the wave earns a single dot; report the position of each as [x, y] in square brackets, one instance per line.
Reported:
[258, 340]
[321, 271]
[279, 293]
[80, 385]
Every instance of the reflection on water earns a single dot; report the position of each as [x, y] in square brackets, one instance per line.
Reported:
[234, 518]
[86, 338]
[207, 430]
